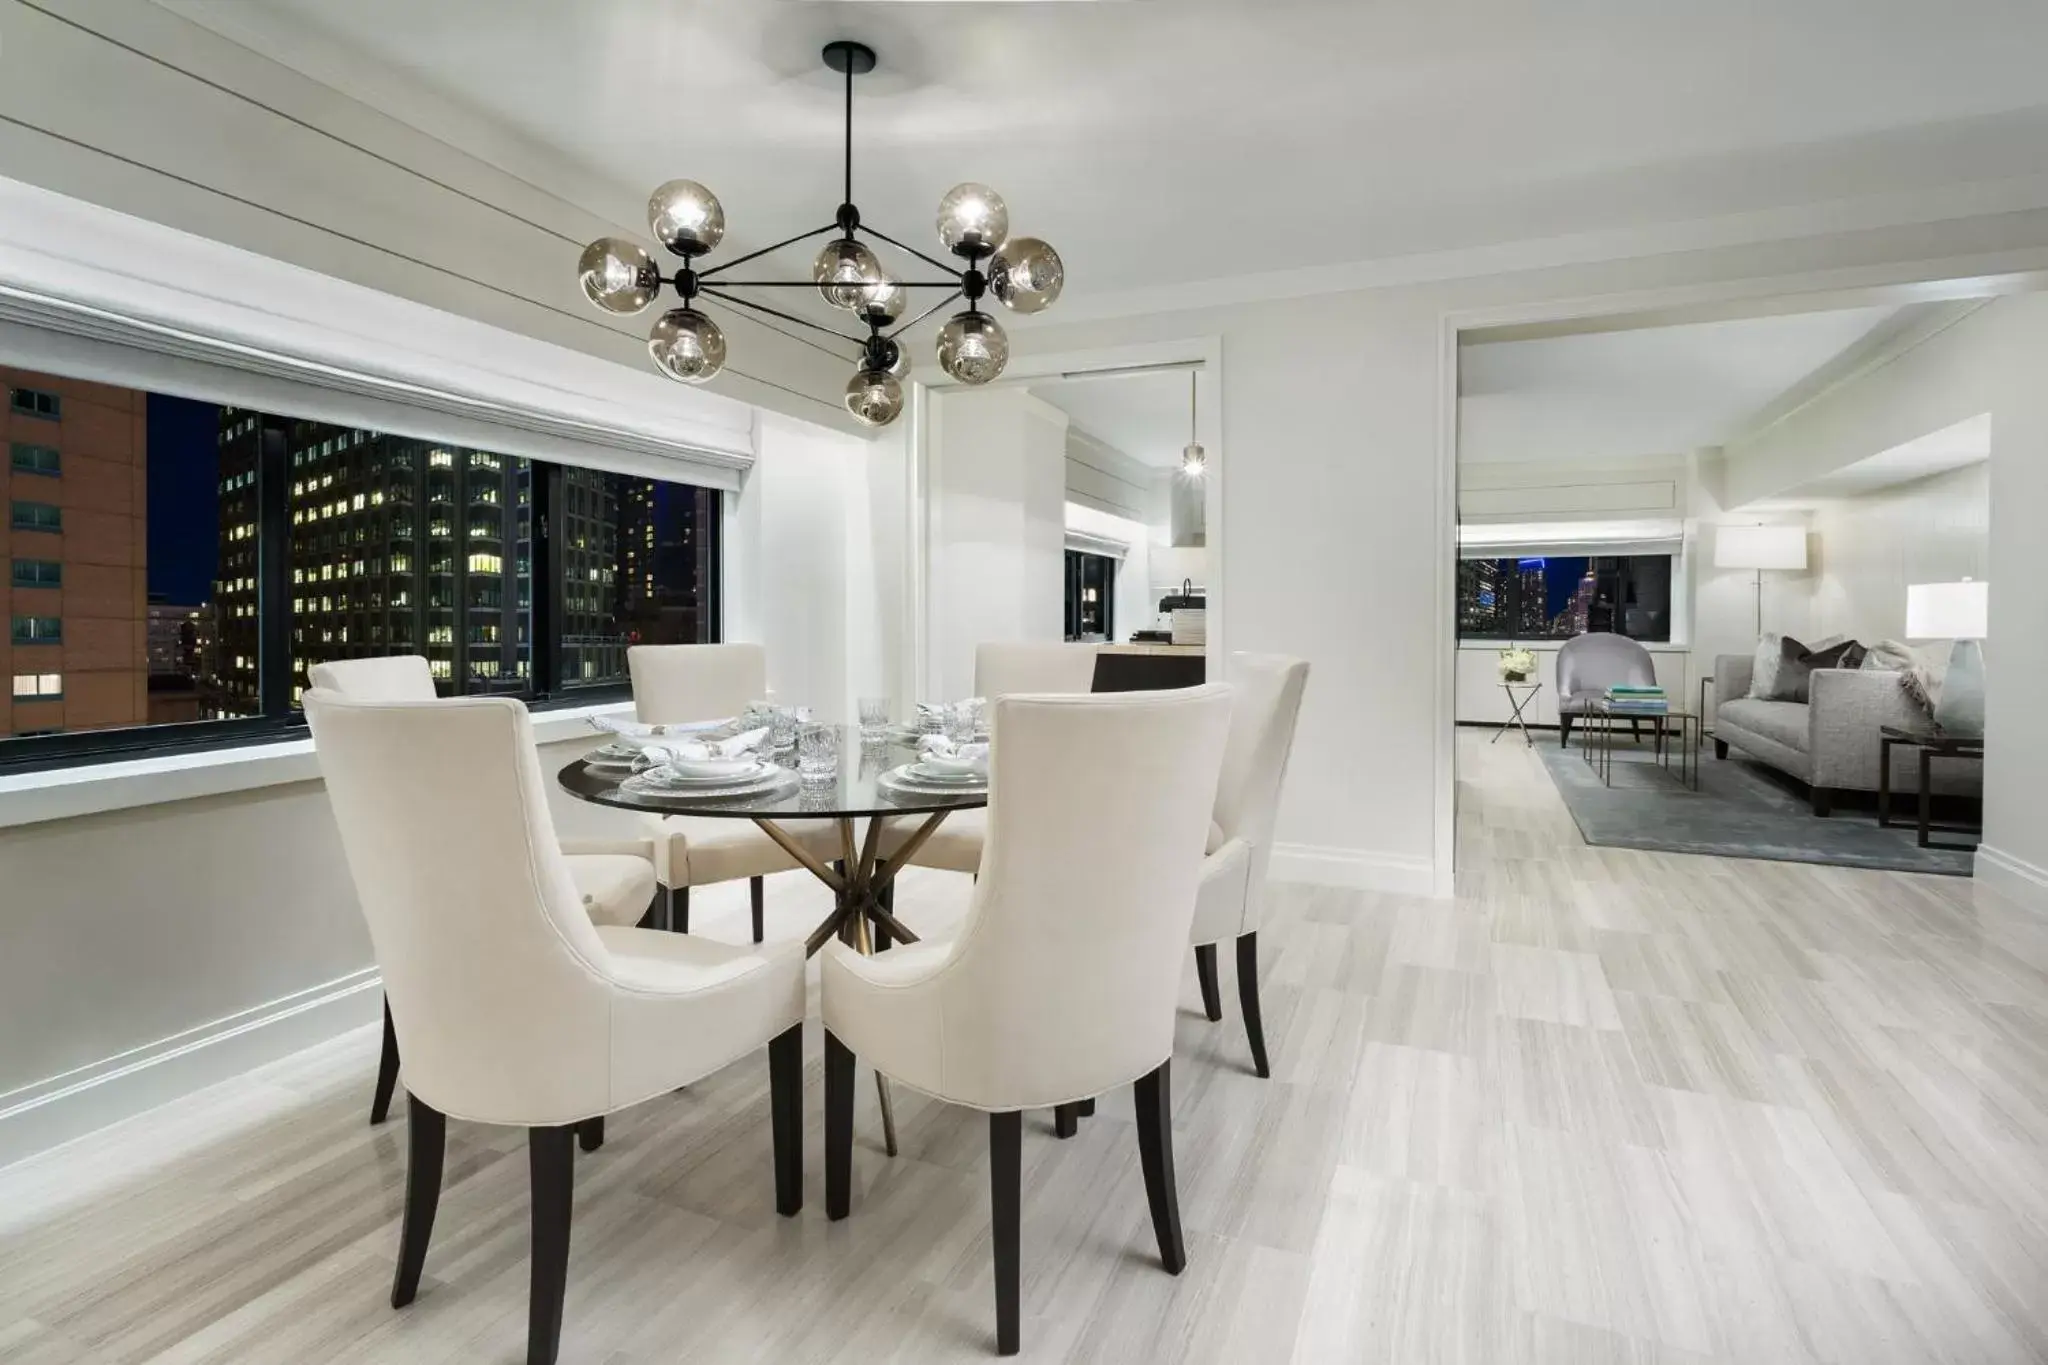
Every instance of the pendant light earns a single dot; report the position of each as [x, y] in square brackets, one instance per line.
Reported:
[1194, 461]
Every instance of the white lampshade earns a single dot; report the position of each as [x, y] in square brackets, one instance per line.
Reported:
[1760, 547]
[1947, 611]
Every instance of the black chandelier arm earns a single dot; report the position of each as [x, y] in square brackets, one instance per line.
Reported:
[928, 260]
[756, 255]
[739, 302]
[925, 314]
[953, 285]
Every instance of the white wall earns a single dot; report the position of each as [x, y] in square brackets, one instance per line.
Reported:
[997, 518]
[1990, 361]
[1868, 549]
[1101, 476]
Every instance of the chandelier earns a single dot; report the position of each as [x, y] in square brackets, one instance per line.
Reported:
[1024, 273]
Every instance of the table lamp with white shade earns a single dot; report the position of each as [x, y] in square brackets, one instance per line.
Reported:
[1958, 612]
[1759, 548]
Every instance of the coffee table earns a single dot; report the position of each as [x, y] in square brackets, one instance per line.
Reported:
[1599, 724]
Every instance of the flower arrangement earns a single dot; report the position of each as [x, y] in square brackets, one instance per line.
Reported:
[1516, 664]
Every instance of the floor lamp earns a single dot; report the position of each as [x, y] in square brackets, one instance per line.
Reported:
[1758, 548]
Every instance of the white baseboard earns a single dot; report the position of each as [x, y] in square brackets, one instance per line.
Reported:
[2016, 879]
[1358, 869]
[37, 1117]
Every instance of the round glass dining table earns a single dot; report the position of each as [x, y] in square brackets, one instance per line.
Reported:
[863, 788]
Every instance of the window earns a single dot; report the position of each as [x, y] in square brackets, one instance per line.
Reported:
[37, 516]
[1555, 597]
[1091, 596]
[28, 459]
[637, 564]
[270, 543]
[38, 573]
[35, 403]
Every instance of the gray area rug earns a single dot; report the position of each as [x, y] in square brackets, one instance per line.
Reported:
[1743, 809]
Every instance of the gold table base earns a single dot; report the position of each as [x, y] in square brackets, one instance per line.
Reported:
[857, 891]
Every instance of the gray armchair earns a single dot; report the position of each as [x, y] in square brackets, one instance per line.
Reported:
[1588, 665]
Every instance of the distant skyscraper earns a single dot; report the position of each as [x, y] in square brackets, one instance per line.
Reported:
[76, 651]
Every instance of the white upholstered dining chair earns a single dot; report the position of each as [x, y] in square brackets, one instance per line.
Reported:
[1062, 982]
[614, 877]
[1000, 670]
[676, 684]
[1265, 703]
[512, 1007]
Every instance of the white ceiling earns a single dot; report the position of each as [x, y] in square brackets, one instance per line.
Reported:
[1143, 415]
[1161, 143]
[1639, 392]
[1952, 447]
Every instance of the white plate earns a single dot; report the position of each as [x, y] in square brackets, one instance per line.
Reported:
[924, 771]
[773, 780]
[908, 779]
[737, 771]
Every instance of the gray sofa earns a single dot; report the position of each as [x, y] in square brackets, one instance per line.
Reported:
[1830, 740]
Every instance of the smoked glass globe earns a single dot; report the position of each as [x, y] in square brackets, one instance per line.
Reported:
[972, 220]
[882, 302]
[1026, 274]
[973, 348]
[617, 275]
[845, 271]
[874, 397]
[686, 345]
[686, 218]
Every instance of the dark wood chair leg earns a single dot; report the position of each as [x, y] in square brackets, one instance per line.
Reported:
[1086, 1109]
[1066, 1120]
[1564, 731]
[590, 1133]
[387, 1070]
[1823, 801]
[550, 1160]
[1635, 729]
[427, 1143]
[1205, 973]
[1006, 1199]
[758, 892]
[1720, 748]
[1248, 999]
[786, 1117]
[679, 909]
[838, 1127]
[1154, 1096]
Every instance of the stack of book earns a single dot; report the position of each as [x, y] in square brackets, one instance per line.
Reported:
[1636, 701]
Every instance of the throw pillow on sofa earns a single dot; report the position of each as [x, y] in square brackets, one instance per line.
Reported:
[1770, 661]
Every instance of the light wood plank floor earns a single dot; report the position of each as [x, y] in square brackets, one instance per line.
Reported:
[1606, 1106]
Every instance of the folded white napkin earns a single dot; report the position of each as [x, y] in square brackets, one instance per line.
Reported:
[946, 756]
[633, 732]
[706, 750]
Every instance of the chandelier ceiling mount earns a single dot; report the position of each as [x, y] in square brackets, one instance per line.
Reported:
[1023, 273]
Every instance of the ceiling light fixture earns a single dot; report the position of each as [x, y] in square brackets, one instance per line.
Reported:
[1194, 461]
[1024, 273]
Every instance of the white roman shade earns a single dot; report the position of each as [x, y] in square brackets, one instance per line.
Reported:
[93, 294]
[1500, 540]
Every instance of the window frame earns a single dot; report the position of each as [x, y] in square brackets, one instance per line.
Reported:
[15, 580]
[16, 461]
[53, 527]
[1512, 612]
[20, 641]
[33, 407]
[281, 720]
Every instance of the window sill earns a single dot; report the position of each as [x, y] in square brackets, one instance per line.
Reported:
[65, 793]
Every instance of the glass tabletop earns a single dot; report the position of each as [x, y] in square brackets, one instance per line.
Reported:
[858, 789]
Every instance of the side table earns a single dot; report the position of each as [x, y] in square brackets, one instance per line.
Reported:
[1932, 745]
[1528, 692]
